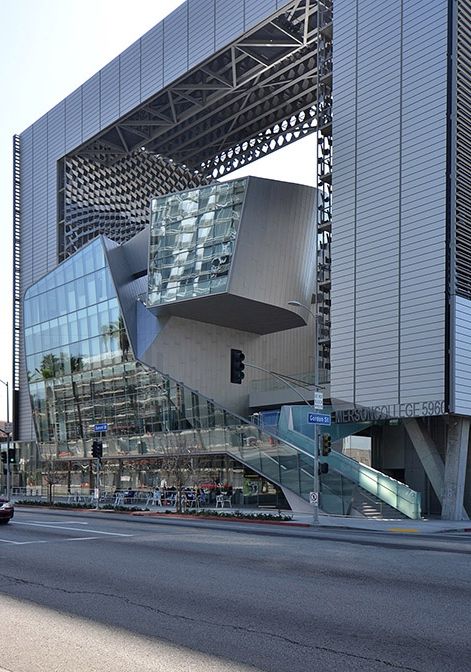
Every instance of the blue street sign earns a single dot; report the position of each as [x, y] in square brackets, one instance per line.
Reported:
[101, 427]
[318, 418]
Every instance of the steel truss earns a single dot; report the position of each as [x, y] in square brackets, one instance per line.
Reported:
[248, 100]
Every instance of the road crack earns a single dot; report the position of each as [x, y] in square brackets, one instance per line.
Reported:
[212, 624]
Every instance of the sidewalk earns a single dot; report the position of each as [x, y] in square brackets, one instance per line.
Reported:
[404, 526]
[305, 520]
[395, 526]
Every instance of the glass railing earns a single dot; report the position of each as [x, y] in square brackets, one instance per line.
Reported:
[211, 428]
[387, 489]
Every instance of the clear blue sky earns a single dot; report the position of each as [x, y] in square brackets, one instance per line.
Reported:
[47, 49]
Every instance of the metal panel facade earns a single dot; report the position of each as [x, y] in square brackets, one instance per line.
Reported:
[152, 54]
[109, 93]
[201, 35]
[176, 44]
[462, 356]
[389, 219]
[130, 77]
[73, 119]
[91, 106]
[230, 17]
[257, 11]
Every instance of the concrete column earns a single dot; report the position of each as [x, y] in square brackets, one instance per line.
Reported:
[428, 455]
[455, 469]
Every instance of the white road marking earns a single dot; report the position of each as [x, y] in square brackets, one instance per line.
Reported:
[74, 529]
[21, 543]
[52, 522]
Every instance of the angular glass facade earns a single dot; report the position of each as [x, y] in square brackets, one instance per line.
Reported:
[73, 326]
[192, 236]
[72, 318]
[82, 373]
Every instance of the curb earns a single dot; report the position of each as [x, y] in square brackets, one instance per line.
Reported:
[226, 519]
[168, 516]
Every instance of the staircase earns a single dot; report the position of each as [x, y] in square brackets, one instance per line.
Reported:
[369, 506]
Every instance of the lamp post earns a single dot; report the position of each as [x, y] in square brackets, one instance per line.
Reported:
[8, 433]
[298, 304]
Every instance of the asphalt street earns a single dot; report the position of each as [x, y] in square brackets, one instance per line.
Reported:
[90, 592]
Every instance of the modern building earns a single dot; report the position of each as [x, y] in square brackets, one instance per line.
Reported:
[136, 270]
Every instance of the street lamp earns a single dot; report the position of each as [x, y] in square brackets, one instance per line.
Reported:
[8, 433]
[298, 304]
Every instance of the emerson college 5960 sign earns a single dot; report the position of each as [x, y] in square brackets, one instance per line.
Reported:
[418, 409]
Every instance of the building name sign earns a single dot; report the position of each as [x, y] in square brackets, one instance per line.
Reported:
[417, 409]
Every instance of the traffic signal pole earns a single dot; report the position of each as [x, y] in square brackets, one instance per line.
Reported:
[97, 453]
[97, 483]
[316, 433]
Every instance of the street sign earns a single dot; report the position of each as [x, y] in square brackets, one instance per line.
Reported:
[314, 498]
[101, 427]
[318, 418]
[318, 401]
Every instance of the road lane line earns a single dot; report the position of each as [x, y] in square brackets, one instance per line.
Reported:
[74, 529]
[51, 522]
[21, 543]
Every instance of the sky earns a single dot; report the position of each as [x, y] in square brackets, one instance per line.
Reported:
[47, 49]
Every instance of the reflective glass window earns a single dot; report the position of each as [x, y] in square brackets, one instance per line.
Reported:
[82, 321]
[73, 327]
[80, 293]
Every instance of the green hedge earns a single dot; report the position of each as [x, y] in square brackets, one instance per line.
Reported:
[241, 515]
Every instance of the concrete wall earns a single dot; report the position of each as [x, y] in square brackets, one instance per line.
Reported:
[198, 354]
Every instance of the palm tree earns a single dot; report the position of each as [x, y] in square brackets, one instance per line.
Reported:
[76, 363]
[51, 366]
[117, 330]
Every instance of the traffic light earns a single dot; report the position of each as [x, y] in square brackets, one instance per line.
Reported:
[326, 444]
[323, 468]
[4, 456]
[11, 455]
[97, 449]
[237, 366]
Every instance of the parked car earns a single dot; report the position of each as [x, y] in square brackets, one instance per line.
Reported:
[7, 510]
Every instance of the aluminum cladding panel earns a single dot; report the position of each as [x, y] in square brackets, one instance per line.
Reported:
[230, 18]
[130, 77]
[152, 68]
[201, 35]
[91, 106]
[73, 119]
[257, 11]
[109, 93]
[389, 218]
[176, 44]
[462, 356]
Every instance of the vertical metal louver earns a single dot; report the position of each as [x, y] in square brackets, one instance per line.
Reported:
[16, 279]
[463, 150]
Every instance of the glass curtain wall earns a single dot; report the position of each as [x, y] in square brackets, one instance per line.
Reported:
[192, 238]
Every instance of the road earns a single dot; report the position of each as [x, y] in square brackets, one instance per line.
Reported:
[92, 592]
